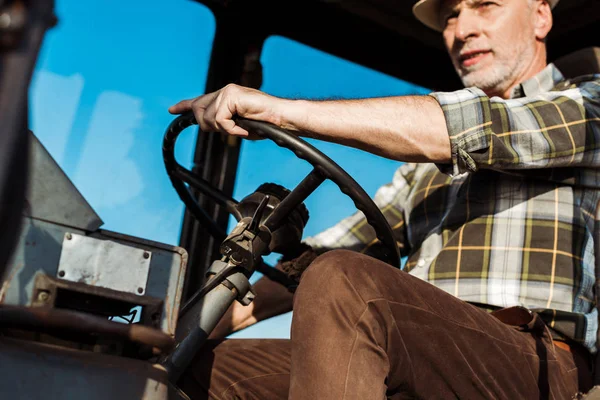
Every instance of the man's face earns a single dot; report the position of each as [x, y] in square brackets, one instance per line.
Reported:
[492, 43]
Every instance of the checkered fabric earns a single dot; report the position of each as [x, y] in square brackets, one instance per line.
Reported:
[510, 221]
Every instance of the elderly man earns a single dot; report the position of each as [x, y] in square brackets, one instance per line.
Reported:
[494, 210]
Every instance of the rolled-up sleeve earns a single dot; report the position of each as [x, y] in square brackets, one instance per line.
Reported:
[549, 130]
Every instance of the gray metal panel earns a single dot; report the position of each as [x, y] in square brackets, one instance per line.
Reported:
[39, 249]
[39, 371]
[104, 263]
[52, 196]
[167, 273]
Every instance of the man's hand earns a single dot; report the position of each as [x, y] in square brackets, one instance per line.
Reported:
[215, 111]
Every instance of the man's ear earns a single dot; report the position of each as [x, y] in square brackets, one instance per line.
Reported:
[543, 19]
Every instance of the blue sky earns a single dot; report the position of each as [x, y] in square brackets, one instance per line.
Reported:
[107, 74]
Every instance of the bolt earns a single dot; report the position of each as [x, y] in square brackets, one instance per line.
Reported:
[69, 236]
[140, 290]
[236, 258]
[43, 296]
[225, 249]
[61, 273]
[146, 254]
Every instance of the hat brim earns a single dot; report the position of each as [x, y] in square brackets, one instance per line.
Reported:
[427, 12]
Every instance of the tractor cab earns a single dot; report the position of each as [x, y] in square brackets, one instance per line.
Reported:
[95, 313]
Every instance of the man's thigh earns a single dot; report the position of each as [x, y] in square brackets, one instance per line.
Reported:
[239, 369]
[364, 330]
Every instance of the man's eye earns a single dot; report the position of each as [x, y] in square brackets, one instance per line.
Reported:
[451, 17]
[487, 4]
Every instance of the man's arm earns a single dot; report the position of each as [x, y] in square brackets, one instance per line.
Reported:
[405, 128]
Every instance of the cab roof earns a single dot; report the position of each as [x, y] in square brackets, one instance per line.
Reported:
[385, 36]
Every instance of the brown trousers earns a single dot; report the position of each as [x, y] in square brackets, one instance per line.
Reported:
[364, 330]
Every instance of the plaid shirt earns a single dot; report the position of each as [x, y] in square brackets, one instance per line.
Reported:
[510, 221]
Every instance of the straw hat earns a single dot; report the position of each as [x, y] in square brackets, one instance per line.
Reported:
[426, 11]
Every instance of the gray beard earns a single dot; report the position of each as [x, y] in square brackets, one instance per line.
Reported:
[487, 81]
[495, 79]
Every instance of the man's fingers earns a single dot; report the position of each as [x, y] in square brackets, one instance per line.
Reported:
[203, 121]
[225, 123]
[181, 107]
[213, 113]
[198, 102]
[238, 131]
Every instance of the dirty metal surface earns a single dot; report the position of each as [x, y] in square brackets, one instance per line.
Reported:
[39, 249]
[54, 293]
[104, 263]
[40, 371]
[51, 320]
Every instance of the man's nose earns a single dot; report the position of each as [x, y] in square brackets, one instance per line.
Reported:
[467, 25]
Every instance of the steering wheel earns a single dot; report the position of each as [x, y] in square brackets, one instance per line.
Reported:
[324, 168]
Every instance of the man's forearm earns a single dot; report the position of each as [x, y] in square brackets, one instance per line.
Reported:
[406, 128]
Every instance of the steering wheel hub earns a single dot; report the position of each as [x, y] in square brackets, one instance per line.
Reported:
[289, 234]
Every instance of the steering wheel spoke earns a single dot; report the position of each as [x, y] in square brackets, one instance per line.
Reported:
[194, 208]
[337, 175]
[305, 188]
[205, 187]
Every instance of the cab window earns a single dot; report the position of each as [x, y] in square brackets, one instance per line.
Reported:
[104, 79]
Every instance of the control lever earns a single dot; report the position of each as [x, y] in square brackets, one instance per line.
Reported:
[257, 217]
[227, 281]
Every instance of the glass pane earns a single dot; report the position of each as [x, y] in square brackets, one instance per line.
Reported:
[105, 77]
[293, 70]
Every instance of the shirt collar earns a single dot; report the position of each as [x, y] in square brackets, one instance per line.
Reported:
[544, 81]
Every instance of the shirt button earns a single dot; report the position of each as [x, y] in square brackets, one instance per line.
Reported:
[421, 263]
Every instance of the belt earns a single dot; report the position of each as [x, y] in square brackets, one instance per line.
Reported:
[527, 320]
[518, 316]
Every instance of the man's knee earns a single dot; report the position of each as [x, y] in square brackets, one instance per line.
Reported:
[330, 265]
[322, 274]
[335, 273]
